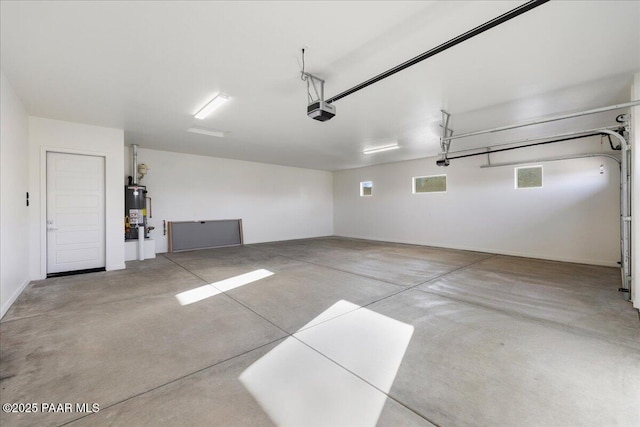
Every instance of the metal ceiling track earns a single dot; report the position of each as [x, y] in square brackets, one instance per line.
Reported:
[444, 46]
[547, 120]
[530, 142]
[554, 159]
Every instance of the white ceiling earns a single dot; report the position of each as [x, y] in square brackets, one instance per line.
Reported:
[147, 67]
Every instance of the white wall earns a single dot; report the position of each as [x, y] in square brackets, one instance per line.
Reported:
[14, 183]
[274, 202]
[65, 137]
[635, 196]
[574, 217]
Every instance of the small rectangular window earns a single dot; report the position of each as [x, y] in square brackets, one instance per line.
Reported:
[366, 188]
[528, 177]
[430, 184]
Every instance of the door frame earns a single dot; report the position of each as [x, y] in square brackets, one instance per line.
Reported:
[43, 200]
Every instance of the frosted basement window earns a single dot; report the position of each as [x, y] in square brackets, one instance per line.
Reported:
[529, 177]
[366, 188]
[430, 184]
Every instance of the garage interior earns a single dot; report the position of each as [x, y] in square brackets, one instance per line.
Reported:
[399, 213]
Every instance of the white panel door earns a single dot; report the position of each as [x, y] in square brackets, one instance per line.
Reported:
[75, 212]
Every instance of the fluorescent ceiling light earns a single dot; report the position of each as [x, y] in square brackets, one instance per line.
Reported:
[379, 149]
[210, 132]
[216, 102]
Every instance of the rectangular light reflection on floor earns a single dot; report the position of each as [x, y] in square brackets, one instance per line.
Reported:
[297, 385]
[241, 280]
[212, 289]
[197, 294]
[367, 343]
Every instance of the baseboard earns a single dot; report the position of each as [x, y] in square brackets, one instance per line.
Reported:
[494, 251]
[7, 304]
[289, 239]
[116, 267]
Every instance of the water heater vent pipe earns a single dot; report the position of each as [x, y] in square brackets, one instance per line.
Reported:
[134, 166]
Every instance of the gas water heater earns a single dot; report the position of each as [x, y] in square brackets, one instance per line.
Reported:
[135, 201]
[135, 211]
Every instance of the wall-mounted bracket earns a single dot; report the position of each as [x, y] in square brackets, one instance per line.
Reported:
[445, 139]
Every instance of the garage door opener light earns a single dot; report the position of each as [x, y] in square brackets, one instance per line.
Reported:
[317, 109]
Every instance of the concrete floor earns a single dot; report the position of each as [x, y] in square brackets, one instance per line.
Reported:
[344, 332]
